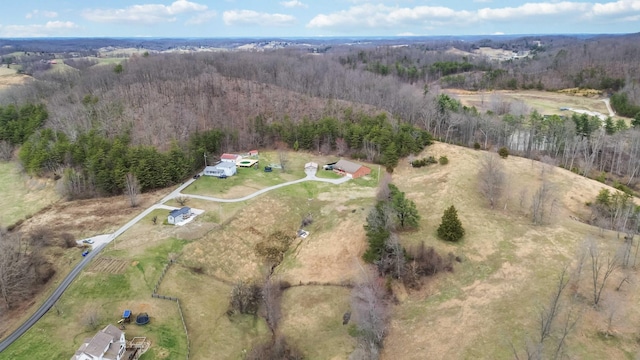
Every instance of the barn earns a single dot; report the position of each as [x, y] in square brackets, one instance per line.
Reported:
[220, 169]
[232, 158]
[179, 215]
[351, 169]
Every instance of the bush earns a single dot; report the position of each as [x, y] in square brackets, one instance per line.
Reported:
[443, 160]
[425, 261]
[476, 145]
[245, 299]
[424, 162]
[68, 240]
[503, 152]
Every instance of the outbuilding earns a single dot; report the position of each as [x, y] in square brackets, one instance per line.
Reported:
[222, 168]
[179, 215]
[232, 158]
[351, 169]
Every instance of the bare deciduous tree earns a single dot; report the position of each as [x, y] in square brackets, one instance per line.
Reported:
[271, 298]
[369, 310]
[602, 266]
[541, 203]
[132, 189]
[182, 200]
[491, 177]
[17, 274]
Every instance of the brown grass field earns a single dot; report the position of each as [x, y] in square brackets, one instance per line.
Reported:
[545, 102]
[487, 305]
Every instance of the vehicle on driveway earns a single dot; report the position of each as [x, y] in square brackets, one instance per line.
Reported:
[88, 241]
[85, 253]
[196, 176]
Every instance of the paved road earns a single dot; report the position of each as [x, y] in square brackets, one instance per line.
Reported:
[51, 300]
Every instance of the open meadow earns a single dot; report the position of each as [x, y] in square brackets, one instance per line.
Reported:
[487, 307]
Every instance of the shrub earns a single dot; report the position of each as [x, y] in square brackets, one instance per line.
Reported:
[476, 145]
[68, 240]
[443, 160]
[245, 299]
[503, 152]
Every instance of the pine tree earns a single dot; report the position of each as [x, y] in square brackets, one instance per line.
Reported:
[451, 228]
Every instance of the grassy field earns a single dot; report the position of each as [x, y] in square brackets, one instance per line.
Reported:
[22, 195]
[59, 333]
[545, 102]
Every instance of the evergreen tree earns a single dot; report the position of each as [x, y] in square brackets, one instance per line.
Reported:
[404, 209]
[390, 157]
[609, 126]
[377, 233]
[451, 228]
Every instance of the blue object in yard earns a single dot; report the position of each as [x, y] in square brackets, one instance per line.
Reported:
[223, 176]
[85, 253]
[126, 314]
[267, 169]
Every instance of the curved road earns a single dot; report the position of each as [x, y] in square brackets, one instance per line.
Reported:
[51, 300]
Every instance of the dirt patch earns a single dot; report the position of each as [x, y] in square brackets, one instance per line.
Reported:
[108, 265]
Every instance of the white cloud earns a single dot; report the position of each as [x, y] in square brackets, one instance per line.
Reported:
[51, 28]
[293, 3]
[250, 17]
[43, 13]
[202, 18]
[144, 14]
[370, 16]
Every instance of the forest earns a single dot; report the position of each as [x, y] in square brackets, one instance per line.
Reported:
[158, 102]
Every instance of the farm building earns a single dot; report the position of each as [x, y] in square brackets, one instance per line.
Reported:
[232, 158]
[108, 344]
[351, 169]
[176, 216]
[220, 169]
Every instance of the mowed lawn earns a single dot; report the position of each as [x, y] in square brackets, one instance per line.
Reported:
[104, 296]
[22, 195]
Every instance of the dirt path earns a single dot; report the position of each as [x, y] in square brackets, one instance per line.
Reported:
[608, 103]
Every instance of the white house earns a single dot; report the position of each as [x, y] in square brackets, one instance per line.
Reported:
[179, 215]
[108, 344]
[221, 168]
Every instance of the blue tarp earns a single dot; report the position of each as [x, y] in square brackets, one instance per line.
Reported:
[126, 314]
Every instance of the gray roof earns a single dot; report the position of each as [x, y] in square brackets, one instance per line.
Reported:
[113, 331]
[220, 165]
[178, 212]
[347, 166]
[97, 346]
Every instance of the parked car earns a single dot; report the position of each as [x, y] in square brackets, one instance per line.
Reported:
[196, 176]
[85, 253]
[88, 241]
[267, 169]
[223, 176]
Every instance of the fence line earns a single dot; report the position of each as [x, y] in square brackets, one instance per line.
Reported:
[171, 298]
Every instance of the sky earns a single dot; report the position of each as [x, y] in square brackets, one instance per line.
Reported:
[313, 18]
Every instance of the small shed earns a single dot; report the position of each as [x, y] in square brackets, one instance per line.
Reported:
[179, 215]
[253, 152]
[232, 158]
[351, 169]
[220, 169]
